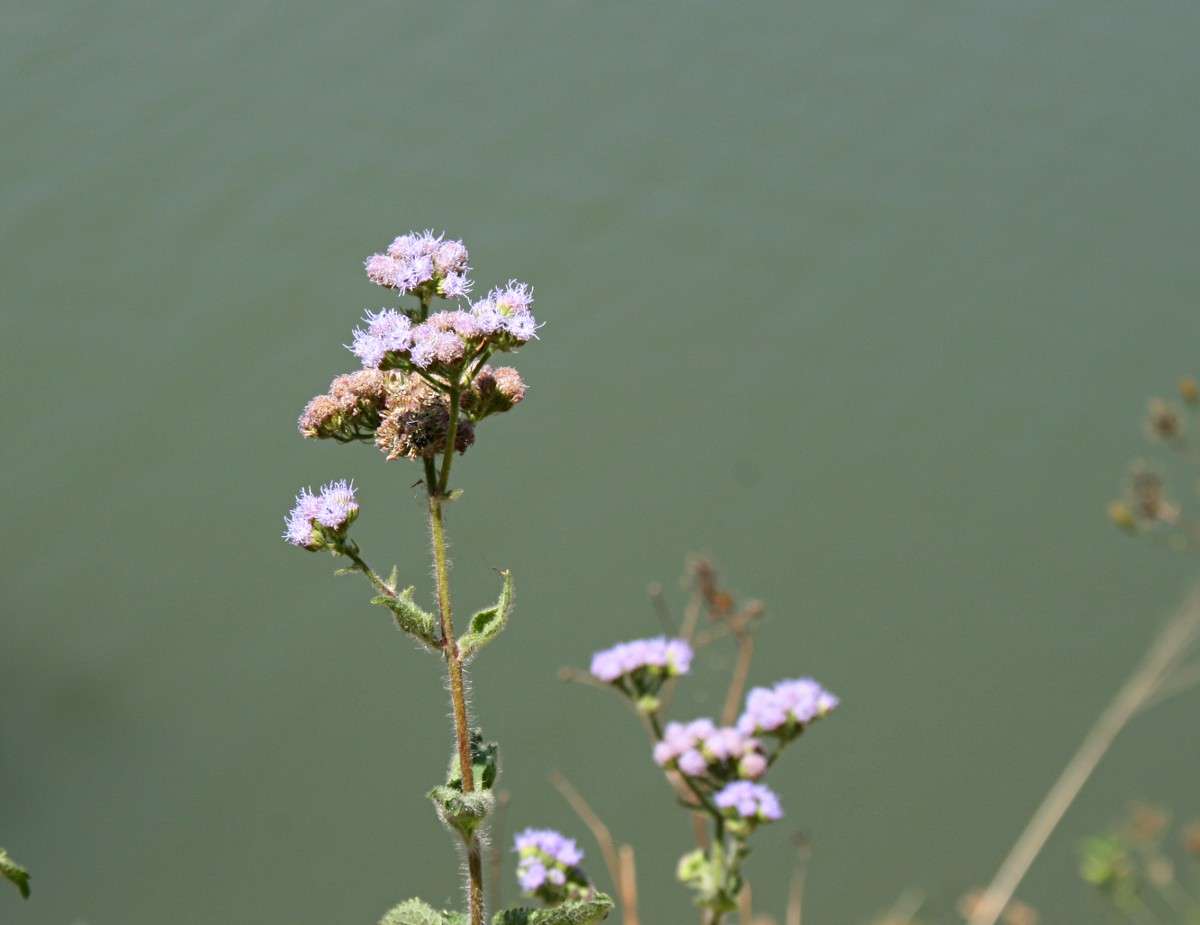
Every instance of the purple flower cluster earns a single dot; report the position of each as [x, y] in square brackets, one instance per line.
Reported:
[786, 708]
[659, 656]
[702, 748]
[750, 801]
[332, 509]
[414, 261]
[502, 320]
[546, 863]
[386, 331]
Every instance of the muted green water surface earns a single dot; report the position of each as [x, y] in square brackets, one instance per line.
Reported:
[863, 299]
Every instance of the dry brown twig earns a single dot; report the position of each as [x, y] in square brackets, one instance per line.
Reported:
[618, 859]
[1157, 677]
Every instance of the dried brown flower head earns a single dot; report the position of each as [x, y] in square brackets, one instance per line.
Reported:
[350, 410]
[493, 391]
[1163, 420]
[416, 423]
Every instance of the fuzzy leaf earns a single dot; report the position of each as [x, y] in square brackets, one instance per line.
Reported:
[416, 912]
[462, 811]
[483, 764]
[582, 912]
[13, 872]
[409, 617]
[487, 624]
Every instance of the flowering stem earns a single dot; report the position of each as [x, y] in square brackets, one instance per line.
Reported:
[350, 550]
[451, 439]
[454, 668]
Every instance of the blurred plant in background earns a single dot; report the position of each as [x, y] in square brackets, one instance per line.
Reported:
[14, 873]
[713, 766]
[1145, 872]
[1145, 507]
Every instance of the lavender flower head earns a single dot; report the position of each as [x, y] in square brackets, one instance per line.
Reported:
[548, 865]
[659, 655]
[749, 801]
[422, 263]
[333, 509]
[386, 331]
[506, 311]
[786, 708]
[702, 748]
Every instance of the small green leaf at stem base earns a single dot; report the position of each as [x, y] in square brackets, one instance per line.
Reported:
[416, 912]
[484, 756]
[580, 912]
[463, 812]
[487, 624]
[13, 872]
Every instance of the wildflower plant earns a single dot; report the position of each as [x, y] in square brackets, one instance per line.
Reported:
[424, 386]
[716, 767]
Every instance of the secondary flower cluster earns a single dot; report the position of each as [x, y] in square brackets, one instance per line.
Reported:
[317, 520]
[639, 668]
[548, 866]
[703, 749]
[749, 801]
[785, 709]
[726, 761]
[444, 342]
[660, 655]
[423, 264]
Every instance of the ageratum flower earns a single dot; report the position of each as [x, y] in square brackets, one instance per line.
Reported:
[701, 748]
[548, 865]
[786, 708]
[423, 264]
[659, 656]
[505, 314]
[749, 801]
[387, 331]
[316, 519]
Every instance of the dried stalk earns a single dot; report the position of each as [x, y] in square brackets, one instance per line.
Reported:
[1156, 672]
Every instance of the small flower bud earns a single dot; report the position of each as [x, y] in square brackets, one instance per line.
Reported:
[1121, 516]
[493, 391]
[1189, 389]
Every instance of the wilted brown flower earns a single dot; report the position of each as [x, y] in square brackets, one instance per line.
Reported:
[416, 422]
[493, 391]
[1146, 823]
[1163, 420]
[1148, 496]
[350, 410]
[1191, 838]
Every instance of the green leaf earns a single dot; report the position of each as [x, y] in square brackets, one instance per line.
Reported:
[14, 873]
[487, 624]
[484, 756]
[409, 617]
[416, 912]
[463, 812]
[581, 912]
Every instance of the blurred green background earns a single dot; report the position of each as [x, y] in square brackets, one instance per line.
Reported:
[862, 299]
